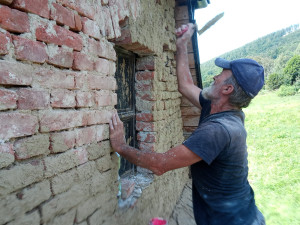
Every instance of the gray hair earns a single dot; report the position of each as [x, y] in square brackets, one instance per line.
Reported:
[238, 97]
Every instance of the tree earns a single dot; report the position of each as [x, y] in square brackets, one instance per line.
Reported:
[292, 69]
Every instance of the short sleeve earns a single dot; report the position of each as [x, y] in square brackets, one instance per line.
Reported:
[208, 141]
[206, 106]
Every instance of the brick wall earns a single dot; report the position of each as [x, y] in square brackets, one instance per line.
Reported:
[57, 94]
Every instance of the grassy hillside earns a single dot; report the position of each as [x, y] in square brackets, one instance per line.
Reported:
[273, 126]
[272, 51]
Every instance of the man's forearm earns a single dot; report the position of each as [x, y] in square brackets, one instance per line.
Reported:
[145, 159]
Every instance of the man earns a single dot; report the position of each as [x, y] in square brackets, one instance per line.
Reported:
[217, 150]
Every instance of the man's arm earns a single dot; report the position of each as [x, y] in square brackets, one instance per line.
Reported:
[158, 163]
[185, 82]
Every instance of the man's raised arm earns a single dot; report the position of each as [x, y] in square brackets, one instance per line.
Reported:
[185, 82]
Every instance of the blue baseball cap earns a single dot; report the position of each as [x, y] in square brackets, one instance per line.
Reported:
[247, 72]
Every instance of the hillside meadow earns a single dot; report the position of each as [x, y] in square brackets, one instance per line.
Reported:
[273, 126]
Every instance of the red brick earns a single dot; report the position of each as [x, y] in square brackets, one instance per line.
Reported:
[144, 86]
[127, 187]
[58, 35]
[96, 117]
[103, 99]
[62, 141]
[125, 37]
[78, 24]
[148, 96]
[62, 99]
[145, 63]
[144, 75]
[82, 62]
[17, 125]
[102, 49]
[5, 40]
[37, 7]
[7, 154]
[105, 67]
[115, 20]
[8, 99]
[102, 132]
[59, 120]
[83, 7]
[61, 57]
[109, 30]
[15, 73]
[13, 20]
[102, 83]
[85, 135]
[90, 28]
[146, 117]
[80, 80]
[148, 137]
[84, 99]
[144, 126]
[144, 146]
[32, 99]
[62, 15]
[29, 50]
[55, 79]
[6, 2]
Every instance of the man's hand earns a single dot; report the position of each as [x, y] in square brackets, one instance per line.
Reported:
[184, 33]
[116, 133]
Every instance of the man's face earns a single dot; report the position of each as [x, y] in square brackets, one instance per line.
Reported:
[214, 90]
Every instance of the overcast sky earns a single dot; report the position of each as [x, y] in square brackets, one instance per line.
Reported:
[244, 21]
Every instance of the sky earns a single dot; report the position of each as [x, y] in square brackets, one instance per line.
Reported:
[243, 21]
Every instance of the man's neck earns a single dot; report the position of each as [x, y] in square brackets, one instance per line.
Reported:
[221, 106]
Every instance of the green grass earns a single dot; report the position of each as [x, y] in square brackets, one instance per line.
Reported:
[273, 126]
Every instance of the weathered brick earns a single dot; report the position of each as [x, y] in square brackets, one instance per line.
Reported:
[146, 117]
[96, 117]
[97, 150]
[108, 26]
[147, 137]
[55, 79]
[63, 202]
[144, 75]
[63, 99]
[115, 20]
[143, 86]
[101, 83]
[60, 57]
[145, 126]
[78, 24]
[13, 20]
[50, 33]
[84, 99]
[8, 99]
[5, 40]
[20, 176]
[102, 132]
[104, 163]
[62, 141]
[14, 73]
[17, 125]
[29, 50]
[59, 120]
[82, 62]
[37, 7]
[80, 80]
[90, 28]
[14, 205]
[86, 135]
[32, 146]
[62, 15]
[102, 48]
[61, 162]
[103, 98]
[64, 181]
[144, 146]
[29, 98]
[104, 66]
[145, 63]
[67, 218]
[83, 7]
[7, 156]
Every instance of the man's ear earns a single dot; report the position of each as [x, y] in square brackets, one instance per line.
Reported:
[227, 89]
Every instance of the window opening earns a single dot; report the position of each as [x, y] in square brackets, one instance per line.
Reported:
[125, 71]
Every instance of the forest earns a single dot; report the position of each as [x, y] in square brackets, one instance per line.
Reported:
[278, 53]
